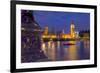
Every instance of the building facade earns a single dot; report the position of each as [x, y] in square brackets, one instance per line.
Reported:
[30, 38]
[62, 35]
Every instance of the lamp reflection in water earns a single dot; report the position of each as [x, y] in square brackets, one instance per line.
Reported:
[71, 51]
[49, 49]
[66, 50]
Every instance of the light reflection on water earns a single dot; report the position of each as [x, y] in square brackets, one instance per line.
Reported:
[66, 50]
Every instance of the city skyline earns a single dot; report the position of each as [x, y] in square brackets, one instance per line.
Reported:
[42, 46]
[59, 21]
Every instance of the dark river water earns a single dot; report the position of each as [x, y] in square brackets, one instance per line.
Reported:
[66, 50]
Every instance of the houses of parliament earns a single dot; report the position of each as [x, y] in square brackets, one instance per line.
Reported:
[62, 35]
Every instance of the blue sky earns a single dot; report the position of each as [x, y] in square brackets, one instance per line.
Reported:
[61, 20]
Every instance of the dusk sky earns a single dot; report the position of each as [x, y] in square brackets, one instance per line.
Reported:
[61, 20]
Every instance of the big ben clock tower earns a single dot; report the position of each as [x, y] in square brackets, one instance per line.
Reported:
[72, 30]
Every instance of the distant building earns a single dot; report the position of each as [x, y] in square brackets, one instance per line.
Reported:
[84, 34]
[71, 34]
[45, 32]
[76, 34]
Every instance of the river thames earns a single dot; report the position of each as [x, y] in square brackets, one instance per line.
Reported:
[66, 50]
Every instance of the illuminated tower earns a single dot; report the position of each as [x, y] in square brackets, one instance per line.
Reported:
[46, 30]
[72, 29]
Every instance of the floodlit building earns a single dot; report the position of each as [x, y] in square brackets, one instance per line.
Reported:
[71, 34]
